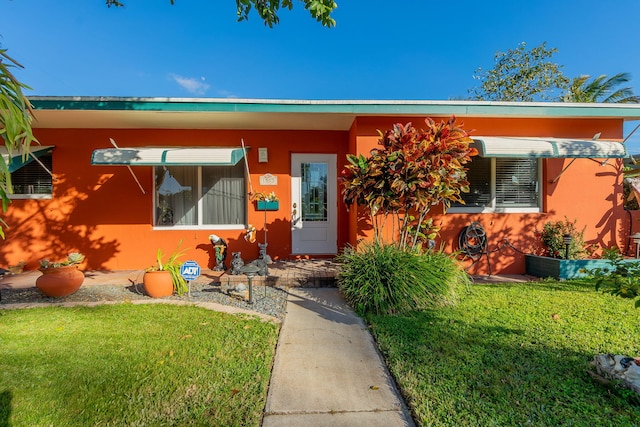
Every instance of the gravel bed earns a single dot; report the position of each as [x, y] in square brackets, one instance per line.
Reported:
[271, 301]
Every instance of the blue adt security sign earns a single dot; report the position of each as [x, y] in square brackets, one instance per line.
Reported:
[190, 270]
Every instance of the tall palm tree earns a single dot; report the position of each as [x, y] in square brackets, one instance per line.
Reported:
[601, 89]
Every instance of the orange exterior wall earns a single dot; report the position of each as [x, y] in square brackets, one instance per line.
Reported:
[587, 192]
[101, 212]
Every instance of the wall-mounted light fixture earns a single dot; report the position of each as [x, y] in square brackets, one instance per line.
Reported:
[635, 238]
[263, 155]
[566, 239]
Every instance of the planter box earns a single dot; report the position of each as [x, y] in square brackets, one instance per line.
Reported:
[264, 205]
[542, 266]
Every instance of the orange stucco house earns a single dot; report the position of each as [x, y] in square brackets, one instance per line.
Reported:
[177, 171]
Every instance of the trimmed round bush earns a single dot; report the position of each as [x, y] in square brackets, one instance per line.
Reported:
[384, 279]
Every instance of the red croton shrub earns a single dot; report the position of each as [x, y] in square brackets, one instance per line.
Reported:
[412, 171]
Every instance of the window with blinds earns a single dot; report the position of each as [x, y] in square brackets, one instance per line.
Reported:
[33, 179]
[516, 183]
[479, 177]
[501, 184]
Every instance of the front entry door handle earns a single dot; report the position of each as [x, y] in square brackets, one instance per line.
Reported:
[294, 215]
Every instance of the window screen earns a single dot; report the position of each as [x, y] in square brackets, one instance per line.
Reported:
[516, 183]
[33, 178]
[200, 195]
[501, 183]
[479, 177]
[223, 190]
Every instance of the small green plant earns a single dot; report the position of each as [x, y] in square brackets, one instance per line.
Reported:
[552, 235]
[263, 197]
[379, 278]
[172, 265]
[621, 279]
[73, 258]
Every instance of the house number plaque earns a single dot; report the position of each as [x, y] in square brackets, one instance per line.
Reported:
[268, 179]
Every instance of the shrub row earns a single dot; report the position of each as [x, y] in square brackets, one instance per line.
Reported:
[384, 279]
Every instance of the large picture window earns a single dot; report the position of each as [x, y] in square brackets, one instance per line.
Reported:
[32, 180]
[200, 196]
[501, 185]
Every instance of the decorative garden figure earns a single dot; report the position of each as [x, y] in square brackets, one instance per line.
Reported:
[263, 253]
[236, 263]
[220, 251]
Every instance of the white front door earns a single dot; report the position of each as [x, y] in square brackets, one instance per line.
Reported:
[314, 222]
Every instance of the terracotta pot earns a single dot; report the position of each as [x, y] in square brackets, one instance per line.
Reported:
[60, 281]
[158, 284]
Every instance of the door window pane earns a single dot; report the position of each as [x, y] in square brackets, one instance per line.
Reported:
[314, 191]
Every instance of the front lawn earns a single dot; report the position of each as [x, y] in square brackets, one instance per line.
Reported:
[133, 365]
[513, 354]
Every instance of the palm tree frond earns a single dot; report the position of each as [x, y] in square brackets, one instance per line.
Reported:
[601, 89]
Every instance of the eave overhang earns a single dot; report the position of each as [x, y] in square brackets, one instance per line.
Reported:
[207, 113]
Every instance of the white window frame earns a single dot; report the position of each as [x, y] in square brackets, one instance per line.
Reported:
[30, 196]
[491, 208]
[199, 226]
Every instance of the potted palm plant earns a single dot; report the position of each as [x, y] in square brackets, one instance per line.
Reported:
[163, 278]
[61, 278]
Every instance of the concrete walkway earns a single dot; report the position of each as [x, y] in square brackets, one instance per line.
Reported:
[327, 370]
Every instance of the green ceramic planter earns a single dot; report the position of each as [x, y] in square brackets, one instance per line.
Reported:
[265, 205]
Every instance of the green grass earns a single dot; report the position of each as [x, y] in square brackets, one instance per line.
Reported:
[133, 365]
[511, 355]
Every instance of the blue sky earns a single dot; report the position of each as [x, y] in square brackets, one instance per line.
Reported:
[407, 49]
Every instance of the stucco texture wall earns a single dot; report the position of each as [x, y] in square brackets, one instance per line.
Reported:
[588, 191]
[101, 212]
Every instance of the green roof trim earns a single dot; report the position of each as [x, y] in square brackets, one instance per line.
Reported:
[355, 107]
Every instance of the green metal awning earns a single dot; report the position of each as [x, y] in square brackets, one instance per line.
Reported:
[17, 161]
[491, 146]
[168, 156]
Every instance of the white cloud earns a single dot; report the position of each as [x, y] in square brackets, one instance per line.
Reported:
[226, 94]
[191, 84]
